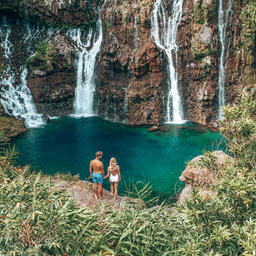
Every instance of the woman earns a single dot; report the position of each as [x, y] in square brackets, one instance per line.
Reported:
[114, 176]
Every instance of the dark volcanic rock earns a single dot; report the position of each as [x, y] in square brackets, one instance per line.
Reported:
[198, 41]
[53, 86]
[131, 78]
[55, 12]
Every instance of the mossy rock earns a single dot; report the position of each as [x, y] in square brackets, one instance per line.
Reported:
[201, 50]
[44, 58]
[204, 12]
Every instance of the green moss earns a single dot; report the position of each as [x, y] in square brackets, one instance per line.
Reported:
[42, 47]
[207, 70]
[107, 24]
[204, 13]
[201, 50]
[65, 65]
[44, 55]
[248, 18]
[248, 41]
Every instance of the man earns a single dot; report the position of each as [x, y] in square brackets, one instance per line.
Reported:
[97, 174]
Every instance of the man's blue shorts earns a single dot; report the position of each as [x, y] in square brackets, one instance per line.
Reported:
[97, 177]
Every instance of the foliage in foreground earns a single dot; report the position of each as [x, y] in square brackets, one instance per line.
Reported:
[36, 220]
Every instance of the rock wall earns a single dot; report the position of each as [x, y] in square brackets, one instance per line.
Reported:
[198, 69]
[241, 64]
[132, 84]
[10, 126]
[55, 12]
[52, 78]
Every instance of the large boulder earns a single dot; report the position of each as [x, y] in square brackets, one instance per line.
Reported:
[202, 173]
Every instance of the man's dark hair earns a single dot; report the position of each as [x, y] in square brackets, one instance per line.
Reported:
[98, 153]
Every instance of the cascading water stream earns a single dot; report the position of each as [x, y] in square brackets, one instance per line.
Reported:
[84, 93]
[136, 35]
[164, 34]
[17, 101]
[224, 19]
[126, 104]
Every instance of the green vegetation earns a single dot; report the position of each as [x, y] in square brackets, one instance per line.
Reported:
[203, 12]
[248, 20]
[43, 58]
[42, 48]
[200, 50]
[37, 220]
[107, 24]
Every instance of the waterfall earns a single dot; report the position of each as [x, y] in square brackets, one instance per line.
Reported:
[115, 108]
[224, 19]
[164, 34]
[126, 103]
[17, 101]
[84, 93]
[107, 107]
[136, 35]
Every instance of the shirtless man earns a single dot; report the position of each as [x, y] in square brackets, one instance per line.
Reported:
[97, 174]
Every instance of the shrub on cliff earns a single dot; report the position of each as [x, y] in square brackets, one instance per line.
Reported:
[43, 57]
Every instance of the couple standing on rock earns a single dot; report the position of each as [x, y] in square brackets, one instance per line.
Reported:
[97, 174]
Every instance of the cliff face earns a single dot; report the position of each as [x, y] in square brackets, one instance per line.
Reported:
[200, 46]
[132, 73]
[52, 78]
[55, 12]
[198, 66]
[241, 64]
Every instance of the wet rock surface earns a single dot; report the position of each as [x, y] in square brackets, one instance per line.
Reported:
[53, 86]
[131, 77]
[131, 73]
[198, 42]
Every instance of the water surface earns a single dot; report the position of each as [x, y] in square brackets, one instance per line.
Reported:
[68, 144]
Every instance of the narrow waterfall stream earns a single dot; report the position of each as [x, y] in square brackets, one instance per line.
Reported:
[136, 35]
[224, 20]
[126, 104]
[17, 101]
[164, 33]
[84, 93]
